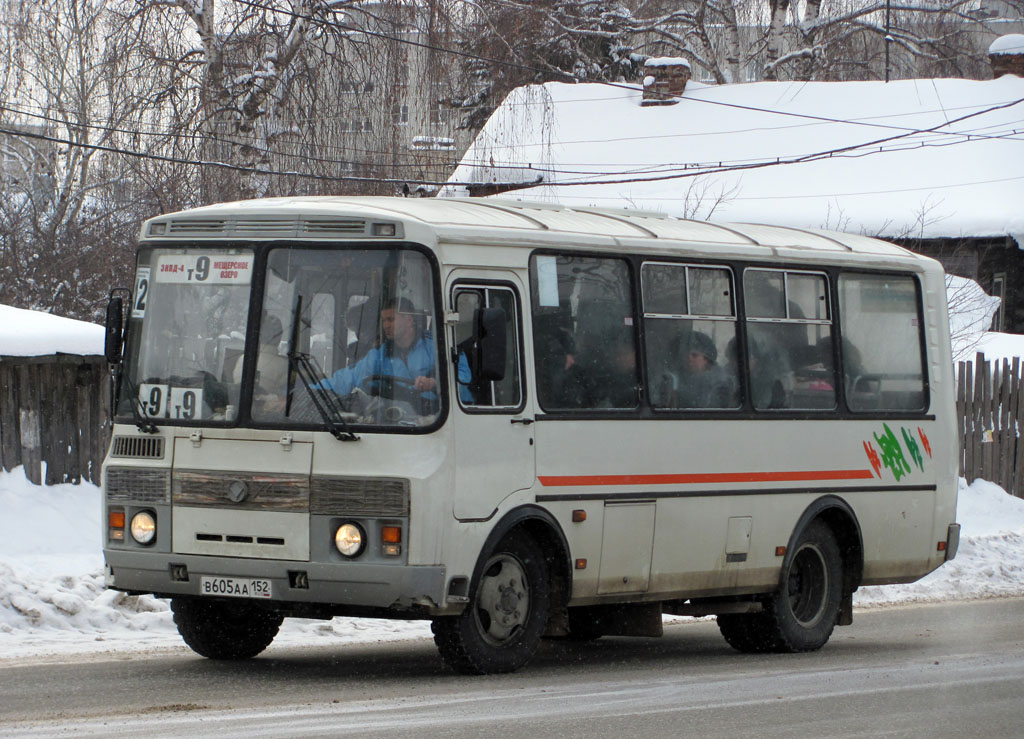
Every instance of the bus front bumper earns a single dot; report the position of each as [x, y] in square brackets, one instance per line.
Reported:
[350, 584]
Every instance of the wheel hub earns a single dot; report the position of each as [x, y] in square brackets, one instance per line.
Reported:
[503, 599]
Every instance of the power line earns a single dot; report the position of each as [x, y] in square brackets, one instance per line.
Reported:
[542, 71]
[863, 149]
[221, 165]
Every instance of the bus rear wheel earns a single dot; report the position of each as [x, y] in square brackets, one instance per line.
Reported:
[219, 630]
[801, 614]
[508, 611]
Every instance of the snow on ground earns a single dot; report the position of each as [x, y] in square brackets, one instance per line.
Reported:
[53, 601]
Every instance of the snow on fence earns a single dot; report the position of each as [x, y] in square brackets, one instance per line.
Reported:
[54, 416]
[989, 403]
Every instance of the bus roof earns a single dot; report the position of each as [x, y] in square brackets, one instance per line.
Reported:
[356, 217]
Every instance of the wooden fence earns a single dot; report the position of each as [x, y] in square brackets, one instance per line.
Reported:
[990, 404]
[54, 410]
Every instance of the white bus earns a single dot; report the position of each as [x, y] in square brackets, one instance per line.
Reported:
[520, 421]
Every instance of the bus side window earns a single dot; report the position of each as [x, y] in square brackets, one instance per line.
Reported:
[690, 326]
[503, 393]
[584, 333]
[883, 365]
[789, 340]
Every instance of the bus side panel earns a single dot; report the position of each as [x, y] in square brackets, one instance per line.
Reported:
[728, 493]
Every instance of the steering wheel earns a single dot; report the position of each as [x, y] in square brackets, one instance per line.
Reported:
[392, 387]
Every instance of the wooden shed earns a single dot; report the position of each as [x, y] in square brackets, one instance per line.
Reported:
[54, 407]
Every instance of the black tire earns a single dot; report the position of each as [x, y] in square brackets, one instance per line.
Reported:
[221, 630]
[747, 632]
[507, 613]
[583, 626]
[801, 614]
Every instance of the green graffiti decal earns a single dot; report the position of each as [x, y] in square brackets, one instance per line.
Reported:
[913, 449]
[892, 453]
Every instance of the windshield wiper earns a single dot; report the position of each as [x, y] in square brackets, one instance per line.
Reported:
[324, 400]
[142, 420]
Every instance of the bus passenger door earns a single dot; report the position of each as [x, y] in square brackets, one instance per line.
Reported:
[494, 451]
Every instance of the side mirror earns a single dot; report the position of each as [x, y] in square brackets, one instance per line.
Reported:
[114, 336]
[491, 344]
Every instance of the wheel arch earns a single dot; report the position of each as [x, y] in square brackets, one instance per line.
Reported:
[837, 514]
[542, 527]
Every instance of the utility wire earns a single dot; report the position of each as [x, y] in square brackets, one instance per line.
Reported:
[863, 149]
[663, 168]
[543, 71]
[221, 165]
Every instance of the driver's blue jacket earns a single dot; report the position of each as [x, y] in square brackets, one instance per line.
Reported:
[419, 361]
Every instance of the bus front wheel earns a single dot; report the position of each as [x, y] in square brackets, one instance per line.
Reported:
[508, 611]
[801, 614]
[218, 630]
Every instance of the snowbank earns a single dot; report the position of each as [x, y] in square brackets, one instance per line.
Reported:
[53, 601]
[990, 562]
[30, 333]
[997, 346]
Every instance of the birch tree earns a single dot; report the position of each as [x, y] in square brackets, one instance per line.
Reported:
[73, 88]
[747, 40]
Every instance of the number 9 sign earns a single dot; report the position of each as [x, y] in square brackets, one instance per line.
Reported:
[186, 403]
[153, 400]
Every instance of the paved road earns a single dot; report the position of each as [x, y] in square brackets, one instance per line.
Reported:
[926, 671]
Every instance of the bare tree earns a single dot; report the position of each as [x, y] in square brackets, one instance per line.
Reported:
[518, 42]
[741, 40]
[74, 89]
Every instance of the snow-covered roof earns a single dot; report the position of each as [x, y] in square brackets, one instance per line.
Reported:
[928, 158]
[29, 333]
[667, 61]
[1011, 43]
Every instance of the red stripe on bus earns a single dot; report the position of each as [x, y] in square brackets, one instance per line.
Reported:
[704, 478]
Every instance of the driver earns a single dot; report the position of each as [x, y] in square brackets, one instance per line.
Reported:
[407, 352]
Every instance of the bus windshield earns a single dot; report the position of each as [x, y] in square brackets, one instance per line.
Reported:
[188, 322]
[346, 336]
[362, 328]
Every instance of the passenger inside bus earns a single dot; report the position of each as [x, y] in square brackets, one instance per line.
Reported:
[271, 362]
[770, 373]
[705, 384]
[560, 381]
[408, 353]
[610, 379]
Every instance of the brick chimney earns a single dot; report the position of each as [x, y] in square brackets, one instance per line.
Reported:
[1006, 55]
[664, 80]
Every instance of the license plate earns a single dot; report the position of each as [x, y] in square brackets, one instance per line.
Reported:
[235, 587]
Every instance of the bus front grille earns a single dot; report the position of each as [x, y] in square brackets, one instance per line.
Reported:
[138, 447]
[241, 490]
[360, 496]
[139, 485]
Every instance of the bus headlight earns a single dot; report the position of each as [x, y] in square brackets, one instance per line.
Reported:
[350, 539]
[143, 527]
